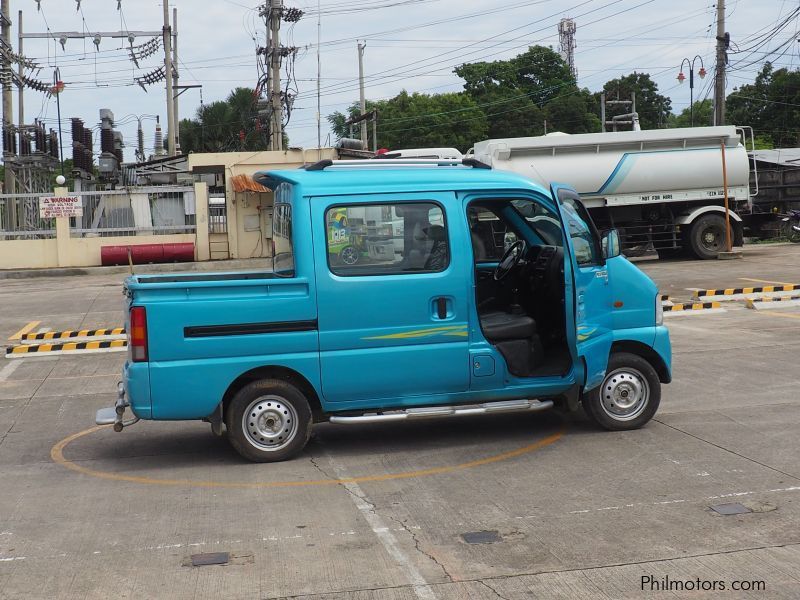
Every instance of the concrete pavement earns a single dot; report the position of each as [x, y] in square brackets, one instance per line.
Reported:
[568, 511]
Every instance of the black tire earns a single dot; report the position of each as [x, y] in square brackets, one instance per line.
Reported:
[606, 404]
[278, 425]
[707, 236]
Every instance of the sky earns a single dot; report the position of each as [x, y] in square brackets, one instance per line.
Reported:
[411, 44]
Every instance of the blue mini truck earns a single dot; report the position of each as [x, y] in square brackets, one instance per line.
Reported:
[468, 292]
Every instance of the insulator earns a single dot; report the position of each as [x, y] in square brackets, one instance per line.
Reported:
[106, 140]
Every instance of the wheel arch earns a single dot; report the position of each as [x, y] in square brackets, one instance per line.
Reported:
[690, 217]
[276, 372]
[647, 353]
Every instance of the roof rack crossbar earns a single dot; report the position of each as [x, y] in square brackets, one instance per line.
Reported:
[398, 162]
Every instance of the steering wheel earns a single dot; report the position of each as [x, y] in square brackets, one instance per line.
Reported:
[511, 259]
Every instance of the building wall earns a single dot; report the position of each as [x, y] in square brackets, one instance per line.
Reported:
[28, 254]
[240, 206]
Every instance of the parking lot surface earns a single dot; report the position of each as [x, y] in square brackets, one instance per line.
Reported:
[506, 507]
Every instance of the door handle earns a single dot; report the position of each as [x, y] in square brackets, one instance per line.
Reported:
[441, 308]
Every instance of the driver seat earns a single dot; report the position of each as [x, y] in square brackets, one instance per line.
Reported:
[515, 336]
[500, 326]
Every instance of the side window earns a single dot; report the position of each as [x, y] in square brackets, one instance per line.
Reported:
[283, 256]
[581, 232]
[387, 239]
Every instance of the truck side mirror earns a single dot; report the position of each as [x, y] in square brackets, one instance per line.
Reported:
[610, 244]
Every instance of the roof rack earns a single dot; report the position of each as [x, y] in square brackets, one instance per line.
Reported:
[398, 162]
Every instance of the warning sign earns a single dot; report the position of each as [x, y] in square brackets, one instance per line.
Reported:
[60, 206]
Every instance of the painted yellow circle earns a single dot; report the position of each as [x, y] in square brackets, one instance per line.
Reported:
[57, 455]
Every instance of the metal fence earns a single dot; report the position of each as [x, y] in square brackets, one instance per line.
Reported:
[217, 218]
[20, 220]
[154, 210]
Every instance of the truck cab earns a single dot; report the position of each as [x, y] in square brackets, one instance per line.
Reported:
[446, 322]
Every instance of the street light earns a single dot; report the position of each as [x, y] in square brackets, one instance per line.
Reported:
[682, 78]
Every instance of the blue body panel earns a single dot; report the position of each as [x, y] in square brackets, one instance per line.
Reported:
[368, 342]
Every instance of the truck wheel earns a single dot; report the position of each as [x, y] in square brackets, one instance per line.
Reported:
[349, 255]
[268, 421]
[707, 236]
[629, 395]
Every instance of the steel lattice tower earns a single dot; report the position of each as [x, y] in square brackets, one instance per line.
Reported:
[566, 43]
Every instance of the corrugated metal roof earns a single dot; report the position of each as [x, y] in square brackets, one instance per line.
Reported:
[789, 157]
[245, 183]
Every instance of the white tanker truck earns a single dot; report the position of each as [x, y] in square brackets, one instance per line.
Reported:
[662, 188]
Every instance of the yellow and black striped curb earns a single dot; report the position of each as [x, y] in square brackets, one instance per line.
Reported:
[65, 347]
[752, 302]
[746, 290]
[692, 306]
[81, 333]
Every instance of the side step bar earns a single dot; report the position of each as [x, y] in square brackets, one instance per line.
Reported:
[446, 411]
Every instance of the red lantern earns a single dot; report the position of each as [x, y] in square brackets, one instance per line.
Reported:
[681, 77]
[702, 72]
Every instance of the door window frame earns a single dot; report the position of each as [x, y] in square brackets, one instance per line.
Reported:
[565, 196]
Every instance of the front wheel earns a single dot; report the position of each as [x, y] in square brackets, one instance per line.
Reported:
[629, 395]
[268, 421]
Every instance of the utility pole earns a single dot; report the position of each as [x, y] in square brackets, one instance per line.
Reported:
[722, 59]
[175, 77]
[21, 71]
[361, 48]
[168, 76]
[274, 24]
[8, 108]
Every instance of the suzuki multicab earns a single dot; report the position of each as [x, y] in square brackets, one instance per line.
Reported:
[482, 293]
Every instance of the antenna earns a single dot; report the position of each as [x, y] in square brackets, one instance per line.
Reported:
[319, 77]
[566, 43]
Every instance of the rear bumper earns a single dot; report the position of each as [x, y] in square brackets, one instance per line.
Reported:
[136, 379]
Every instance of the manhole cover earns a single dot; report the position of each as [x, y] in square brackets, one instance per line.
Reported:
[732, 508]
[481, 537]
[210, 558]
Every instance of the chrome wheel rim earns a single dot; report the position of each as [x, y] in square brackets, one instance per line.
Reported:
[349, 256]
[625, 394]
[270, 423]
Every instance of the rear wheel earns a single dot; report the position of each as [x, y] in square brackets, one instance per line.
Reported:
[268, 421]
[707, 236]
[629, 395]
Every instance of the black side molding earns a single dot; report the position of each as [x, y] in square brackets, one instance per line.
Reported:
[200, 331]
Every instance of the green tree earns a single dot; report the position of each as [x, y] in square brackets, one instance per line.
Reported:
[653, 108]
[703, 111]
[519, 94]
[573, 113]
[224, 126]
[421, 120]
[770, 105]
